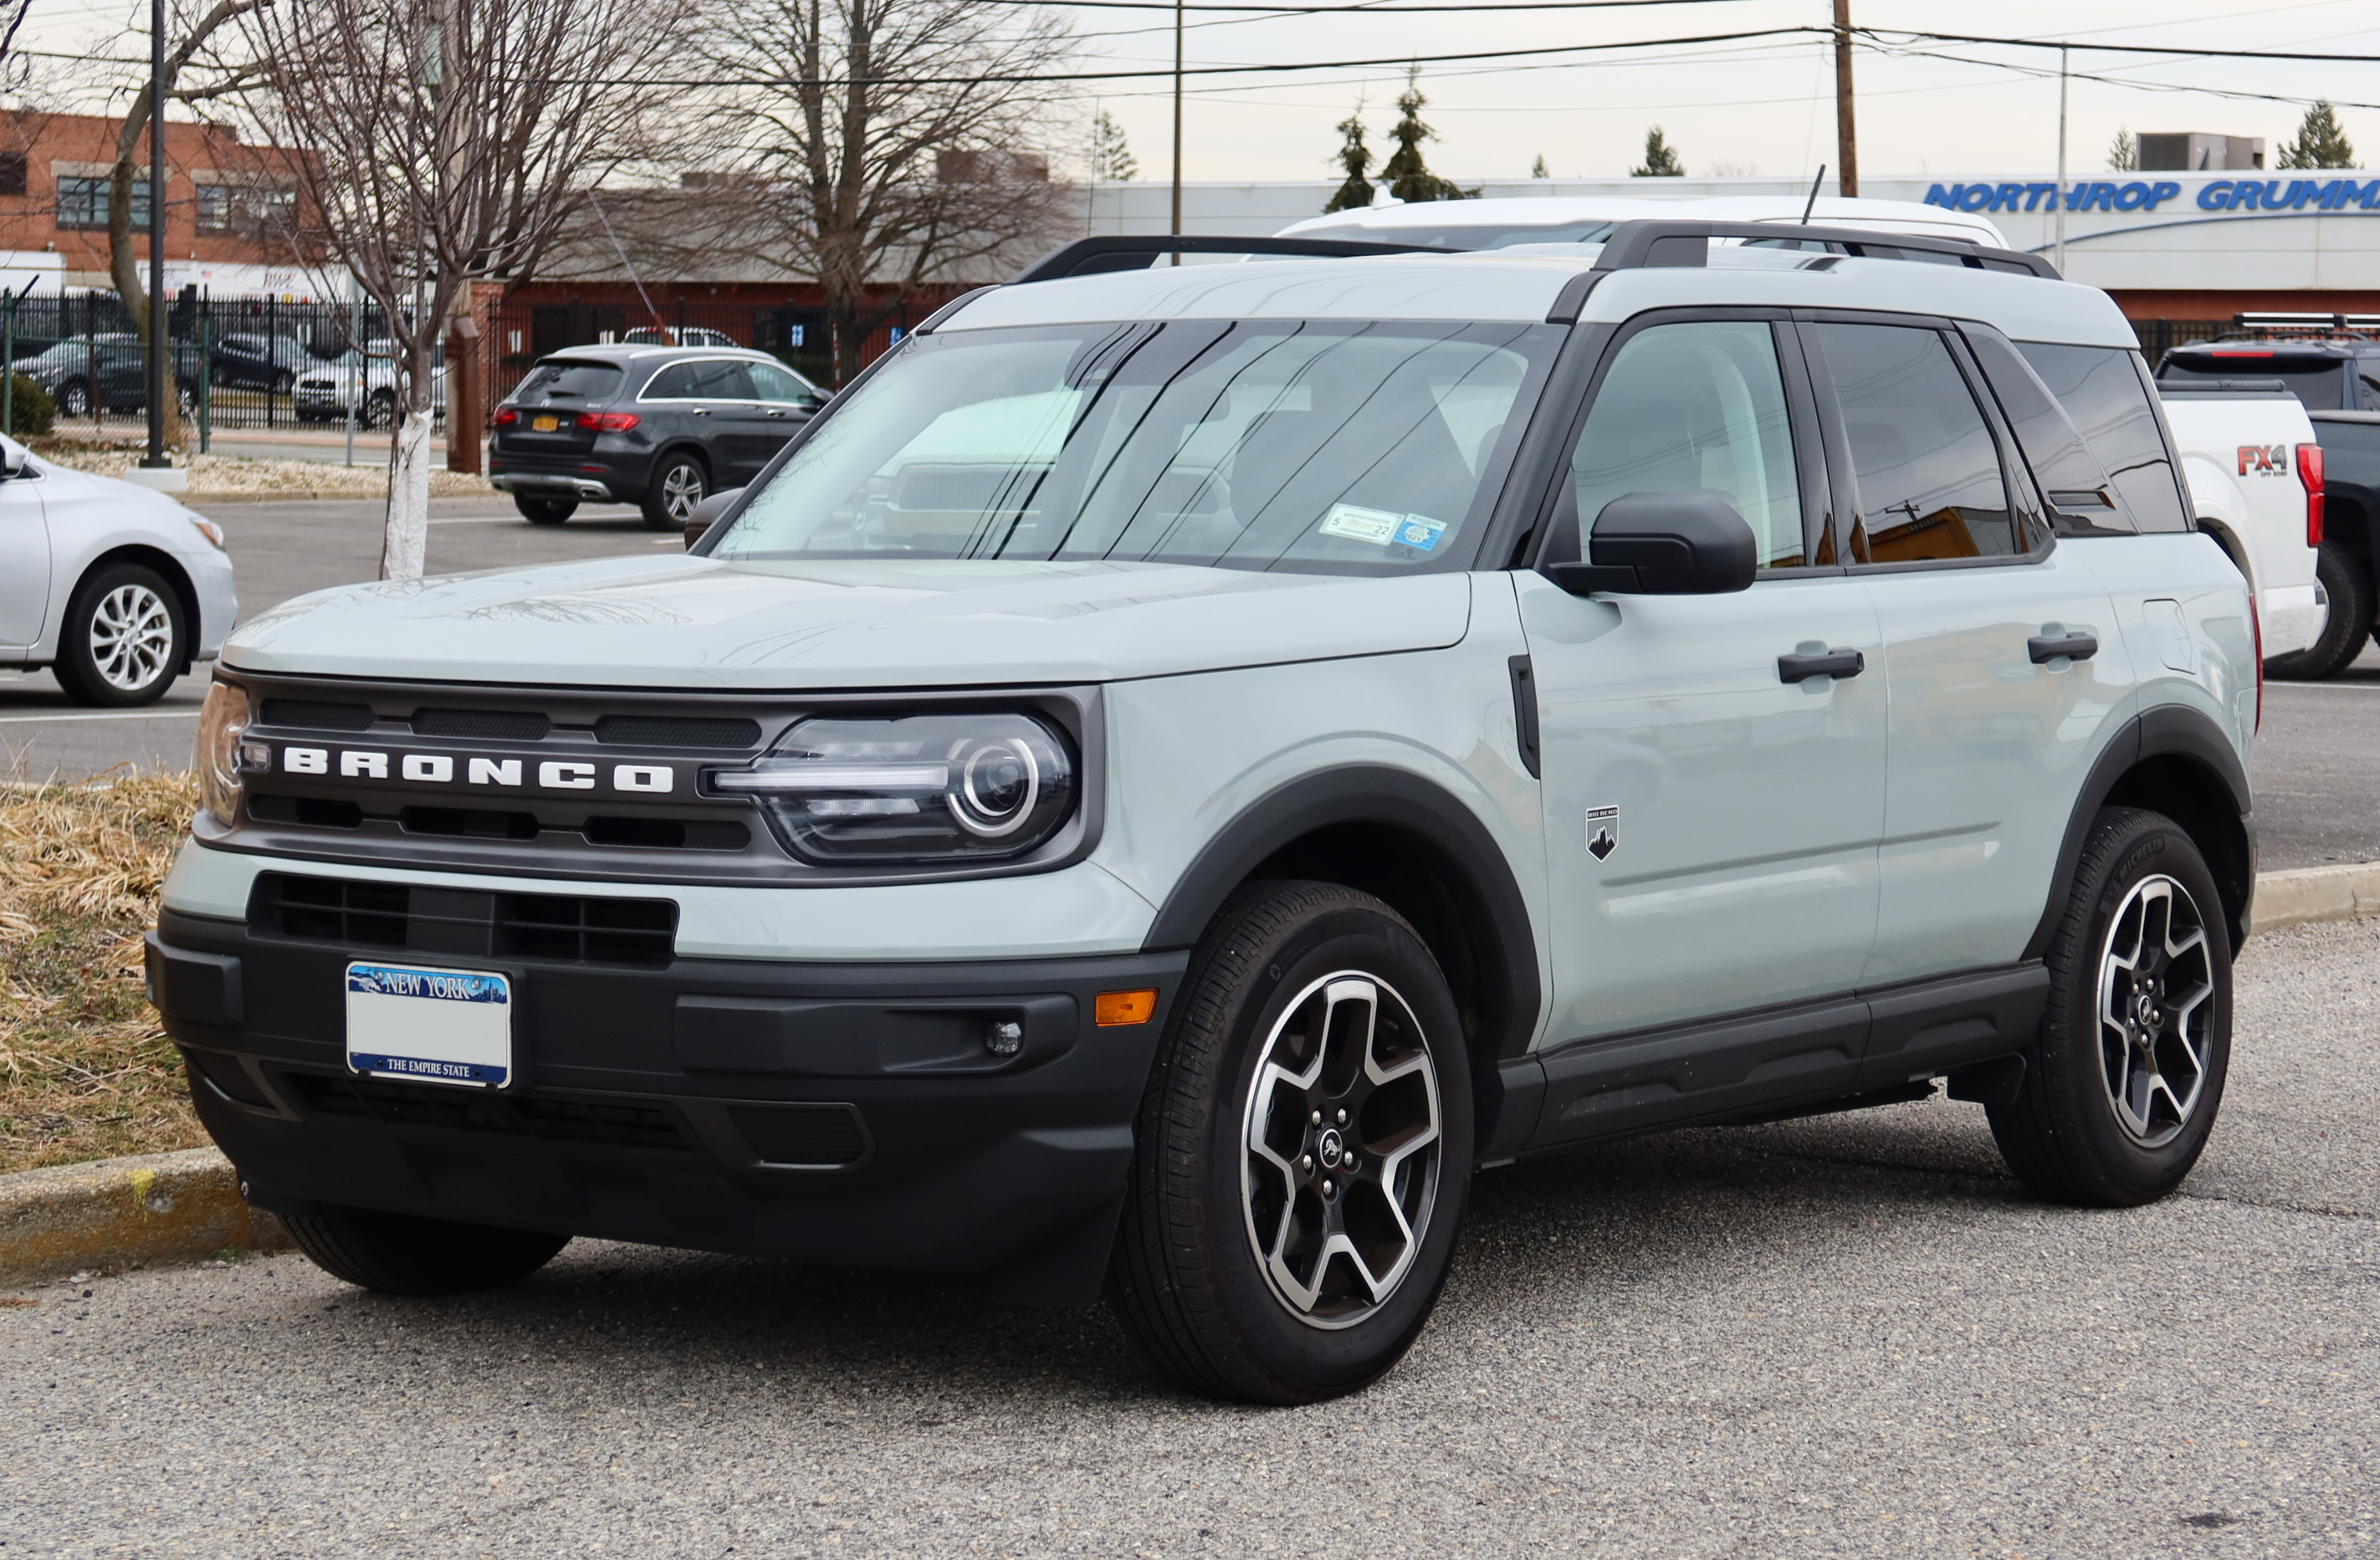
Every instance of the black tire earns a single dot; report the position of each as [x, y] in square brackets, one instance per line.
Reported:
[401, 1255]
[282, 382]
[679, 482]
[539, 510]
[379, 409]
[2065, 1135]
[125, 638]
[74, 399]
[1187, 1279]
[2347, 581]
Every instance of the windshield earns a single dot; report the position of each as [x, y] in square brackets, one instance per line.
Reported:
[2314, 380]
[1336, 446]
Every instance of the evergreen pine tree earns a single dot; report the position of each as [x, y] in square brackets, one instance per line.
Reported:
[1354, 156]
[2124, 153]
[1537, 168]
[2321, 142]
[1111, 161]
[1409, 176]
[1660, 159]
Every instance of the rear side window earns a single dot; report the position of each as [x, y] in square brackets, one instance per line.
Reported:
[2082, 500]
[706, 379]
[1929, 476]
[578, 384]
[2106, 390]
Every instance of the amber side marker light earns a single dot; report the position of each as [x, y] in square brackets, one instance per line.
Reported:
[1113, 1007]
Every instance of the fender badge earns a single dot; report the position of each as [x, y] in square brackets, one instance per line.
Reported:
[1602, 832]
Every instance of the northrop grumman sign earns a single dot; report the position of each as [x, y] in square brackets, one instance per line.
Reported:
[2143, 195]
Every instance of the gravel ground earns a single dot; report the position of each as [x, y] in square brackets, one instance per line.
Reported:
[1850, 1336]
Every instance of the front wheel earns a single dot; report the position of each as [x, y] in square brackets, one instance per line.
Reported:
[122, 642]
[2346, 583]
[2119, 1095]
[379, 409]
[679, 483]
[402, 1255]
[74, 399]
[1303, 1154]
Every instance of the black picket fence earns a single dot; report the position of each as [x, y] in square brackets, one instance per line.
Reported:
[2158, 337]
[800, 338]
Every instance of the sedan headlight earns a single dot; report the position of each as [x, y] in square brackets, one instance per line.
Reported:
[224, 758]
[912, 788]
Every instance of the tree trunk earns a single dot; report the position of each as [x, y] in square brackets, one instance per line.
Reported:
[405, 550]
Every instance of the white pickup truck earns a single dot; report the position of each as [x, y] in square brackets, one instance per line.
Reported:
[2254, 475]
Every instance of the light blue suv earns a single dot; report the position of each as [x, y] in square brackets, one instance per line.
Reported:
[1175, 771]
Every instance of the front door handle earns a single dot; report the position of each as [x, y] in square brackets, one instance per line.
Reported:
[1825, 663]
[2044, 648]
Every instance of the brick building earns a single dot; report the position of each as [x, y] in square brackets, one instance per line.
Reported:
[230, 208]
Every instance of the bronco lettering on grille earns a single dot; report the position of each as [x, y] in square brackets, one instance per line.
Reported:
[439, 768]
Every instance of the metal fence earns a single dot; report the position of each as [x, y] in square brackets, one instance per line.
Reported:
[798, 337]
[2160, 336]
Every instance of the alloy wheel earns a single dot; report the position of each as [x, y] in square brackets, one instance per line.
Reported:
[2155, 1022]
[131, 637]
[1341, 1143]
[681, 490]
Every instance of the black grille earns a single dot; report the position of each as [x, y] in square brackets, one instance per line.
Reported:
[311, 715]
[667, 834]
[313, 812]
[473, 823]
[587, 931]
[487, 725]
[607, 1123]
[801, 1135]
[563, 928]
[664, 731]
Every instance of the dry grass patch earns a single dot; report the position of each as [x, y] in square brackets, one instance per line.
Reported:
[254, 476]
[85, 1070]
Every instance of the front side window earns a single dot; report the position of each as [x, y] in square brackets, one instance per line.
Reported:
[1696, 406]
[778, 384]
[2106, 391]
[1928, 469]
[1333, 446]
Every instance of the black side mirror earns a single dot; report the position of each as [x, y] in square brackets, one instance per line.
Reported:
[709, 509]
[1664, 544]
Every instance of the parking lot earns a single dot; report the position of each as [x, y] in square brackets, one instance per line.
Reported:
[1848, 1336]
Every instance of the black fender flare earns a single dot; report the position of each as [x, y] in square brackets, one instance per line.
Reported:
[2169, 730]
[1376, 793]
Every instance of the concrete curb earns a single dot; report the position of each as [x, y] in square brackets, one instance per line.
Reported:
[172, 1207]
[121, 1213]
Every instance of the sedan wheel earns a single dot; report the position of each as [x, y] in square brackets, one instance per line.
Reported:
[74, 399]
[123, 639]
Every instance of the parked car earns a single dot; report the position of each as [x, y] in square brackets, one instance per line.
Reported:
[1172, 772]
[116, 589]
[677, 335]
[366, 380]
[2332, 364]
[660, 426]
[2253, 467]
[110, 372]
[246, 361]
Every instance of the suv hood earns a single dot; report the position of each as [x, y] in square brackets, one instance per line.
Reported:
[689, 622]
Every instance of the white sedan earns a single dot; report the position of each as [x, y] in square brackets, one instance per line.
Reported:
[116, 588]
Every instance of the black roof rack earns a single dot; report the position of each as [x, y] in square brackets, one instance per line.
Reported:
[1637, 246]
[1138, 251]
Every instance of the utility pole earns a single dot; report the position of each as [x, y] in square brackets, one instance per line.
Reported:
[156, 364]
[1846, 134]
[2060, 196]
[1177, 123]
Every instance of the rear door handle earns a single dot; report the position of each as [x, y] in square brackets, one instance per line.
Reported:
[1825, 663]
[2042, 648]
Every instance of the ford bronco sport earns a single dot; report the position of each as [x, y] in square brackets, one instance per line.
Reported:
[1175, 771]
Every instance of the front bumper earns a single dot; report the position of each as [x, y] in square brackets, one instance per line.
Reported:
[837, 1113]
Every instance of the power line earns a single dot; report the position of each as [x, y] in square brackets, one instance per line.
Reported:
[1877, 34]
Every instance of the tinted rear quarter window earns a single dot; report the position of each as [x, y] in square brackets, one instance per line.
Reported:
[579, 383]
[2082, 501]
[2106, 390]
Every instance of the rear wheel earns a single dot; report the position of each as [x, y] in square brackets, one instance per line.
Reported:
[400, 1254]
[74, 399]
[1302, 1154]
[379, 409]
[680, 481]
[2121, 1091]
[544, 511]
[2347, 581]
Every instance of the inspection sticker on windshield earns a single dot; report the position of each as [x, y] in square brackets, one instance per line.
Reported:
[1381, 526]
[430, 1026]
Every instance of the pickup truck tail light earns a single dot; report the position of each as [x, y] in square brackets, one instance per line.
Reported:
[2310, 477]
[608, 422]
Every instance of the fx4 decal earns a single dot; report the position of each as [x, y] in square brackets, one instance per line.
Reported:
[2264, 458]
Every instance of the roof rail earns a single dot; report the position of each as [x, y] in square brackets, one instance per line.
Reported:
[2278, 324]
[1138, 252]
[1637, 246]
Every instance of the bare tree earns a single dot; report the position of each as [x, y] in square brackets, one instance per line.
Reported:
[439, 142]
[890, 141]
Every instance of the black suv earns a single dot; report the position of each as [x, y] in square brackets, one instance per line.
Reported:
[659, 427]
[2331, 363]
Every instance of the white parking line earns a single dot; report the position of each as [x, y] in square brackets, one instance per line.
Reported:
[117, 715]
[2351, 687]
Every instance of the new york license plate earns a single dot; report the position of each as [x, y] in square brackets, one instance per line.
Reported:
[430, 1026]
[545, 425]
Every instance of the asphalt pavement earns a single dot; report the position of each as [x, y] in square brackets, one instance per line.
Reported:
[1848, 1336]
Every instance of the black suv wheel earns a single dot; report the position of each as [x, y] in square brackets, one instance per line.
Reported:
[399, 1255]
[1303, 1154]
[2346, 582]
[123, 639]
[544, 511]
[680, 481]
[2120, 1094]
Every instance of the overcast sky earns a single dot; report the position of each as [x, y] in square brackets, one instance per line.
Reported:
[1762, 105]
